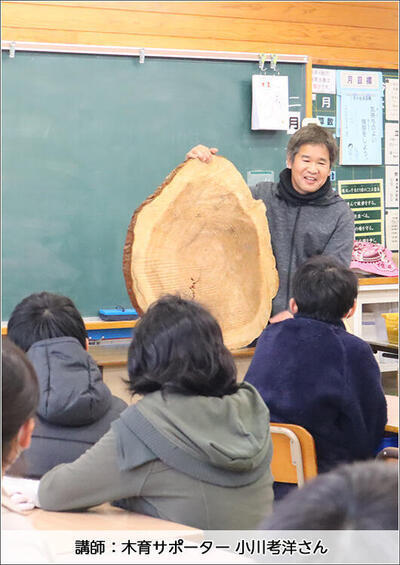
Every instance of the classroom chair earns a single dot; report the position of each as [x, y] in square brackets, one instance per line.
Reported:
[294, 458]
[389, 454]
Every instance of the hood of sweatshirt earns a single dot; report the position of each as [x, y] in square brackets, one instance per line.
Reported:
[72, 391]
[207, 437]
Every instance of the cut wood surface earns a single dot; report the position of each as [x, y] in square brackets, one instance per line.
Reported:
[202, 235]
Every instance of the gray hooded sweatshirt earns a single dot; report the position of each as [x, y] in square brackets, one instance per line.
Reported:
[321, 227]
[75, 409]
[197, 460]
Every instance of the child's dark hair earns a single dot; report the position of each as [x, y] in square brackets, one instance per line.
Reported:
[178, 347]
[324, 289]
[45, 315]
[20, 393]
[355, 496]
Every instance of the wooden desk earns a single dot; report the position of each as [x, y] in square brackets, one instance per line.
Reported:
[365, 281]
[116, 355]
[104, 517]
[373, 290]
[110, 355]
[57, 533]
[386, 347]
[393, 413]
[113, 360]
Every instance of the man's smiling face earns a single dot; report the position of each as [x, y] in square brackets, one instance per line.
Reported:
[310, 168]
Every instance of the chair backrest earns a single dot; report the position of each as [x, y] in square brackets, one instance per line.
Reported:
[294, 458]
[390, 454]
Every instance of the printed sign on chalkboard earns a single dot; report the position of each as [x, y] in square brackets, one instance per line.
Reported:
[365, 198]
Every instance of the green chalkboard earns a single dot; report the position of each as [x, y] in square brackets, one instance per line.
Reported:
[86, 138]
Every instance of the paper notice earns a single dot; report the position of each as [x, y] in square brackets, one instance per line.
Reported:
[391, 143]
[360, 142]
[391, 186]
[365, 198]
[324, 81]
[392, 99]
[294, 122]
[270, 102]
[392, 229]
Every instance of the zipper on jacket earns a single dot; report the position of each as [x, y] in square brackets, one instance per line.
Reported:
[291, 255]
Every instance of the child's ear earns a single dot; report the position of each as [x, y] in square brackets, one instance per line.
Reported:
[352, 310]
[87, 344]
[293, 306]
[25, 433]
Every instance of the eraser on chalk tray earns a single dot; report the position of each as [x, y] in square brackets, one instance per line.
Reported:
[118, 313]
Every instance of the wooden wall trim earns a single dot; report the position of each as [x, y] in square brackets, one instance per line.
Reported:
[309, 88]
[320, 56]
[376, 15]
[332, 33]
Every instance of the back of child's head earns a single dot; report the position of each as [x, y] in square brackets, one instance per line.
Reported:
[324, 289]
[178, 347]
[355, 496]
[45, 315]
[20, 394]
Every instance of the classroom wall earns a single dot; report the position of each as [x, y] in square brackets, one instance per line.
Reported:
[360, 34]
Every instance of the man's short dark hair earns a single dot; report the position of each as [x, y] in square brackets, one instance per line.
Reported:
[312, 134]
[45, 315]
[178, 347]
[356, 496]
[324, 289]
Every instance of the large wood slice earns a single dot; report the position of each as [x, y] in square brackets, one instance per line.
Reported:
[202, 235]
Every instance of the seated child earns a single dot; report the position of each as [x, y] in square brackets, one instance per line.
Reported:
[20, 396]
[311, 372]
[195, 449]
[75, 408]
[355, 496]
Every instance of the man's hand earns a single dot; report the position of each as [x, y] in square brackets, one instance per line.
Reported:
[285, 315]
[202, 152]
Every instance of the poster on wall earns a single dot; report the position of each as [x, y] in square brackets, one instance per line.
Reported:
[270, 102]
[392, 99]
[392, 229]
[365, 198]
[359, 121]
[324, 108]
[392, 186]
[360, 142]
[391, 143]
[324, 81]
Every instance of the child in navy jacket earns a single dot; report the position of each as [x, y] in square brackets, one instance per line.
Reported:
[311, 372]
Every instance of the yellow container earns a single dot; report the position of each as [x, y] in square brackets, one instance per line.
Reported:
[392, 327]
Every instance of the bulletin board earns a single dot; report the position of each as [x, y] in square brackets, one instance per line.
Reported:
[371, 190]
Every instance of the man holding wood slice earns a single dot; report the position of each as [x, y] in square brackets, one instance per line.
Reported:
[306, 216]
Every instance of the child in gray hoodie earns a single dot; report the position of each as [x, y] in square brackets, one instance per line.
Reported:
[76, 407]
[195, 449]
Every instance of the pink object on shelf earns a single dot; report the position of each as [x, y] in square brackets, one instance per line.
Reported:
[373, 258]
